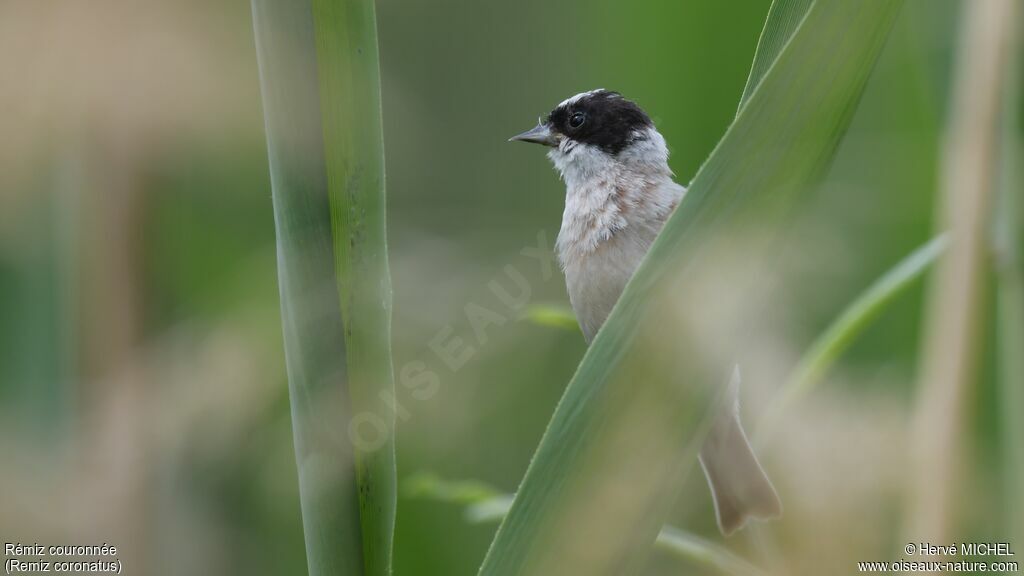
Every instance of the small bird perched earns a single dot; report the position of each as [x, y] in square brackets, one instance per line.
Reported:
[619, 193]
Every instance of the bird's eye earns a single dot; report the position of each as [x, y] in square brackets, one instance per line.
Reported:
[577, 119]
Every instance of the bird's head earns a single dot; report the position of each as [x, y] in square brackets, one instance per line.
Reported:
[595, 128]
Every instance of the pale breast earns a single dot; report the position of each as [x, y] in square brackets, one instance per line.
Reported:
[596, 280]
[596, 272]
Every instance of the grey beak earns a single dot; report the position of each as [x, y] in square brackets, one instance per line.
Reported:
[541, 134]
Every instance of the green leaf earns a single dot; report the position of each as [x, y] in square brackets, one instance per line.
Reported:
[350, 102]
[552, 317]
[320, 84]
[783, 20]
[466, 492]
[629, 426]
[700, 551]
[484, 504]
[850, 324]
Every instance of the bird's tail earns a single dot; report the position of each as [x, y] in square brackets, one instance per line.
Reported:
[739, 485]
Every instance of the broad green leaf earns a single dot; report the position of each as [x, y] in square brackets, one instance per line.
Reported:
[783, 20]
[629, 426]
[320, 85]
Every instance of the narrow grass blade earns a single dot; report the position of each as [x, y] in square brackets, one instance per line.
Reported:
[320, 87]
[552, 317]
[700, 551]
[465, 492]
[628, 428]
[485, 505]
[848, 326]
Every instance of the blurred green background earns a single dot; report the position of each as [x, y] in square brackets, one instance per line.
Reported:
[143, 399]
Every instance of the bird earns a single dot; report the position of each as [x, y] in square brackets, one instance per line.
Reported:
[619, 193]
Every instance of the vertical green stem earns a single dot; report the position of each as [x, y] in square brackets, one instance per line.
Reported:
[1009, 251]
[321, 97]
[350, 104]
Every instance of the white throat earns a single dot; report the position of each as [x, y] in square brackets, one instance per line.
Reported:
[609, 194]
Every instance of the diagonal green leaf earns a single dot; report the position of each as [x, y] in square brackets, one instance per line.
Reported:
[320, 84]
[628, 428]
[845, 329]
[484, 504]
[783, 20]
